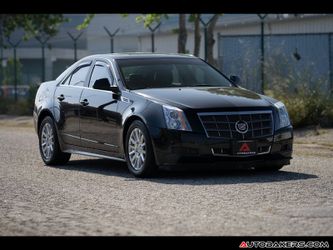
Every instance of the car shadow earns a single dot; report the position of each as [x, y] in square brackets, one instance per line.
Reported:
[228, 177]
[195, 176]
[98, 166]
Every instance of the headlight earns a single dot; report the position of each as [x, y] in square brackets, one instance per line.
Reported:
[283, 115]
[175, 118]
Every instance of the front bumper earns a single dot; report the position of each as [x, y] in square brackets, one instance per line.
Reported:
[175, 148]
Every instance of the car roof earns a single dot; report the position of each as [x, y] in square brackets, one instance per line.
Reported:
[137, 55]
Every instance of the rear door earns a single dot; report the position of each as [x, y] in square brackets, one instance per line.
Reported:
[67, 100]
[98, 112]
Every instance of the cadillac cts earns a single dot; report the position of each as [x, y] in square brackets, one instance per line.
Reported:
[155, 110]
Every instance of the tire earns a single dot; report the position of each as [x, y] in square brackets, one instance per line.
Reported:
[270, 168]
[54, 155]
[146, 167]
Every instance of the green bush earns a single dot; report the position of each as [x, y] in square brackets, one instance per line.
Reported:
[10, 107]
[4, 105]
[306, 97]
[306, 104]
[309, 108]
[31, 97]
[20, 107]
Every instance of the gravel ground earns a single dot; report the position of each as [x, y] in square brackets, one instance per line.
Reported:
[99, 197]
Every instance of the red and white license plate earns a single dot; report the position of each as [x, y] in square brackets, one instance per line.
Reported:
[245, 148]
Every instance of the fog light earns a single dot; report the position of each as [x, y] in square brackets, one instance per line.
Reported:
[283, 136]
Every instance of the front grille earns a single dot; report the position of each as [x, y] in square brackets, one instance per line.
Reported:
[223, 124]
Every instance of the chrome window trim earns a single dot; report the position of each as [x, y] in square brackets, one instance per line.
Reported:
[106, 64]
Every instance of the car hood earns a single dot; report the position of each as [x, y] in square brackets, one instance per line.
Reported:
[205, 97]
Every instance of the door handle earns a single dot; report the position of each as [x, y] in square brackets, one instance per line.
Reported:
[84, 102]
[61, 97]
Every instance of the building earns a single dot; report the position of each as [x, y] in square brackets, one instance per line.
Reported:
[59, 52]
[238, 43]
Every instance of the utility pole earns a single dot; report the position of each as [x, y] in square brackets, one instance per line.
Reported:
[75, 43]
[43, 42]
[111, 35]
[262, 57]
[152, 30]
[1, 61]
[330, 63]
[1, 51]
[205, 25]
[14, 46]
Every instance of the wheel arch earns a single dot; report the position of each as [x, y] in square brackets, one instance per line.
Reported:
[44, 113]
[126, 126]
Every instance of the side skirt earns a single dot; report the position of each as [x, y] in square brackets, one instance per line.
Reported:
[96, 153]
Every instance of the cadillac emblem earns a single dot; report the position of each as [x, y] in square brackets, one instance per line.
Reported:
[242, 127]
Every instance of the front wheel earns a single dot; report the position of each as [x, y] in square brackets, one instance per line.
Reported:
[49, 145]
[139, 151]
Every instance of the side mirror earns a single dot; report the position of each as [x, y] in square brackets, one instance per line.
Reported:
[235, 79]
[103, 84]
[115, 89]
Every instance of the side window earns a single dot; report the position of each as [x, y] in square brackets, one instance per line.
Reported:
[79, 76]
[99, 72]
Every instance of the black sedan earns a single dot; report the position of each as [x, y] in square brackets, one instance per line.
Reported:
[155, 110]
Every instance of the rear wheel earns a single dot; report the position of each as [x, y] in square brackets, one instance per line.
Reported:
[49, 145]
[139, 151]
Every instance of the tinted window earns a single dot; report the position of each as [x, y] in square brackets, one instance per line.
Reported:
[169, 72]
[79, 76]
[99, 72]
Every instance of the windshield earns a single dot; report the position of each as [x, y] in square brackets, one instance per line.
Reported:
[169, 72]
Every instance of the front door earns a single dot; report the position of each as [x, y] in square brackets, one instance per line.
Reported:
[98, 113]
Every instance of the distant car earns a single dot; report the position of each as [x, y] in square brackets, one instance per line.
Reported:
[154, 110]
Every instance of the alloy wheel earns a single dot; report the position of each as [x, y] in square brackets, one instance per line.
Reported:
[137, 149]
[47, 141]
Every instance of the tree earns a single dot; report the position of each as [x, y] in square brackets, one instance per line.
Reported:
[211, 40]
[182, 35]
[32, 24]
[197, 36]
[85, 22]
[8, 76]
[148, 20]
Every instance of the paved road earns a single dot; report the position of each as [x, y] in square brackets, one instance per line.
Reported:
[99, 197]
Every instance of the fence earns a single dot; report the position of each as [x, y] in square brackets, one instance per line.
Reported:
[297, 54]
